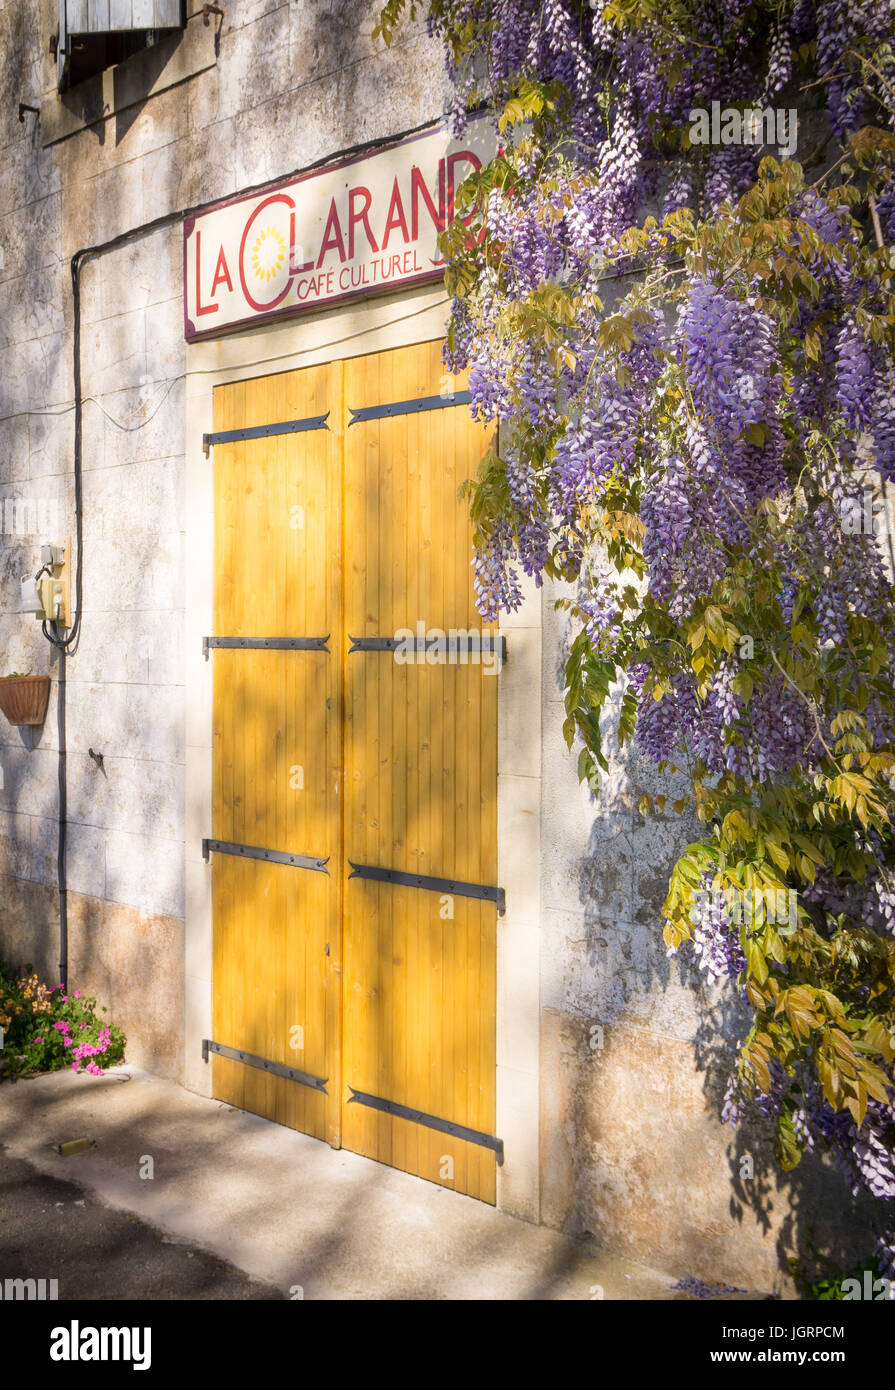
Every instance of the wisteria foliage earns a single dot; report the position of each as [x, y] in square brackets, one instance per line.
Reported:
[690, 350]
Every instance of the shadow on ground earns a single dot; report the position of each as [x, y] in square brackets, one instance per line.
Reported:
[53, 1229]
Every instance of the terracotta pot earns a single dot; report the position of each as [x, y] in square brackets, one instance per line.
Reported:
[23, 699]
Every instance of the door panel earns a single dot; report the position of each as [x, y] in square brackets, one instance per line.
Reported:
[277, 745]
[419, 986]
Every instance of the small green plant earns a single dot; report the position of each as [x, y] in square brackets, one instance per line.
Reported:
[46, 1029]
[17, 675]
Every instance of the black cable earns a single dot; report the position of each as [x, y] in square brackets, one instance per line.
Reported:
[61, 876]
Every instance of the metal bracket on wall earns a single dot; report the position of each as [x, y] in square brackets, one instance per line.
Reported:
[474, 643]
[404, 1112]
[264, 644]
[484, 892]
[314, 422]
[234, 1054]
[379, 412]
[271, 856]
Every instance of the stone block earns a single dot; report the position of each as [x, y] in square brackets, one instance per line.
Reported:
[146, 872]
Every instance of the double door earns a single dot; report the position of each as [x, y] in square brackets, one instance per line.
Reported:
[353, 838]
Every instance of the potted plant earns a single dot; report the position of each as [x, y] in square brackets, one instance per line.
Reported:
[24, 698]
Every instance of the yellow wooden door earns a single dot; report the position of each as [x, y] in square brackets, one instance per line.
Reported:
[355, 531]
[277, 747]
[421, 783]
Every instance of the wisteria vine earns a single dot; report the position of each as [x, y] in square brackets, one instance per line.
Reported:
[689, 343]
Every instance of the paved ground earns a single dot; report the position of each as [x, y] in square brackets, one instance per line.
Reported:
[241, 1208]
[50, 1228]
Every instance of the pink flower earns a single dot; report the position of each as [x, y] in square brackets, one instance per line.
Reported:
[65, 998]
[83, 1026]
[77, 994]
[74, 1066]
[38, 1040]
[67, 1042]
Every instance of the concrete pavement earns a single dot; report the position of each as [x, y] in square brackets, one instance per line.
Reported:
[294, 1216]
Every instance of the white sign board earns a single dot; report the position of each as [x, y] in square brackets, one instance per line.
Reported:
[361, 226]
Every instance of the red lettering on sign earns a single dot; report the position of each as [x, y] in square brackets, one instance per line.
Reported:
[293, 268]
[461, 157]
[395, 217]
[417, 188]
[221, 273]
[332, 235]
[363, 216]
[200, 307]
[257, 305]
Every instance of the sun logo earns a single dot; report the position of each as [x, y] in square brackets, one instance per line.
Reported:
[268, 253]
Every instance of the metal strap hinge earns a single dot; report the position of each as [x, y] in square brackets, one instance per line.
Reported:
[264, 644]
[484, 892]
[314, 422]
[379, 412]
[404, 1112]
[235, 1054]
[271, 856]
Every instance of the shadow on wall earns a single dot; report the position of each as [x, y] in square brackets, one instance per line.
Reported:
[810, 1211]
[645, 1053]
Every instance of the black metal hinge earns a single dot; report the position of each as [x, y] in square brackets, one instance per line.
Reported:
[404, 1112]
[271, 856]
[264, 644]
[379, 412]
[235, 1054]
[484, 892]
[314, 422]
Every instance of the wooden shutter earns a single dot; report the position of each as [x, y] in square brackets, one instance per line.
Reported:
[109, 16]
[96, 34]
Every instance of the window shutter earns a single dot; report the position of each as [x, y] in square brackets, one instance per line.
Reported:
[95, 34]
[109, 16]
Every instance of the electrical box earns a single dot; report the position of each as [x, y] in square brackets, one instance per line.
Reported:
[54, 589]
